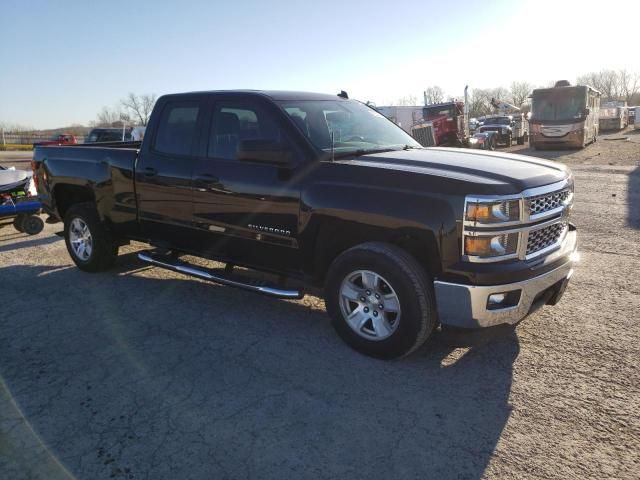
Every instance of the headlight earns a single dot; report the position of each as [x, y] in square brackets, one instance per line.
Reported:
[491, 245]
[492, 212]
[473, 140]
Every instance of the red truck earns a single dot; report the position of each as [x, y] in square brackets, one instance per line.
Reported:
[448, 119]
[61, 139]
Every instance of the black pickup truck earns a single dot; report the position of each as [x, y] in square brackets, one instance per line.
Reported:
[299, 192]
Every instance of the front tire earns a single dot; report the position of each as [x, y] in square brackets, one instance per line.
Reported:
[88, 241]
[380, 300]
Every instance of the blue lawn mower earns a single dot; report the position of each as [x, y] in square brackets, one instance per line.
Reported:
[16, 206]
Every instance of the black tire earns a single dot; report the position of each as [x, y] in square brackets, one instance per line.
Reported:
[509, 142]
[32, 225]
[17, 222]
[521, 140]
[412, 285]
[492, 145]
[104, 251]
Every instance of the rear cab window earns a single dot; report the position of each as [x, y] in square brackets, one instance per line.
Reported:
[177, 128]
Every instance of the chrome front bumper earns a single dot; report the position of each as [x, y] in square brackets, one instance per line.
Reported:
[467, 306]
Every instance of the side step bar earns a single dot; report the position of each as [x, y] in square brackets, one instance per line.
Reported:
[165, 261]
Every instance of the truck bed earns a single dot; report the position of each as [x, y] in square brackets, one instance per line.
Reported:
[103, 173]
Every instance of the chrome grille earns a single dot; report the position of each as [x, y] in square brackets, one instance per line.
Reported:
[545, 237]
[547, 202]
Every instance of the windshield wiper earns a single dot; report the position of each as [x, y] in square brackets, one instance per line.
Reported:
[363, 151]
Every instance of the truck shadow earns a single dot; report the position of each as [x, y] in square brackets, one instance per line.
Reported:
[28, 241]
[222, 383]
[633, 200]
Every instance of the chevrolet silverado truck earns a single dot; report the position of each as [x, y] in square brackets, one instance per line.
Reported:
[302, 192]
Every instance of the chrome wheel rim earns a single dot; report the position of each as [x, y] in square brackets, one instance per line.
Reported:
[369, 305]
[80, 239]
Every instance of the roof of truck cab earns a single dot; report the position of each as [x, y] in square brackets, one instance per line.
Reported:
[272, 94]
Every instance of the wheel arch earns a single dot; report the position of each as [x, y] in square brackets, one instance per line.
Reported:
[335, 237]
[66, 195]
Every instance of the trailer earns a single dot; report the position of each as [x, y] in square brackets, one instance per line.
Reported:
[614, 115]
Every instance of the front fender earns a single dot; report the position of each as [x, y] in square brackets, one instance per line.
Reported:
[336, 216]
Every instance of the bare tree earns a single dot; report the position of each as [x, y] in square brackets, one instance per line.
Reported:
[433, 94]
[409, 100]
[480, 100]
[629, 85]
[139, 106]
[108, 116]
[15, 127]
[607, 81]
[519, 93]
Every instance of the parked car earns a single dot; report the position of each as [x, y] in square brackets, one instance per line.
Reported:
[483, 141]
[507, 128]
[61, 139]
[100, 135]
[321, 193]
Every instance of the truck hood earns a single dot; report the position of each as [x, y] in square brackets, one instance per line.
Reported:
[489, 172]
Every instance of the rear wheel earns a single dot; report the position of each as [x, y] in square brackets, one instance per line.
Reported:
[32, 225]
[381, 300]
[17, 222]
[88, 241]
[509, 141]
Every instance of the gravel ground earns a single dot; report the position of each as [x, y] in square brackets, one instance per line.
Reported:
[143, 373]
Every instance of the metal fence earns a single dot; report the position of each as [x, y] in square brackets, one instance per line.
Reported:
[22, 138]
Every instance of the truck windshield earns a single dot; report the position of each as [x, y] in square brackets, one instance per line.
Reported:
[346, 126]
[558, 105]
[497, 121]
[434, 112]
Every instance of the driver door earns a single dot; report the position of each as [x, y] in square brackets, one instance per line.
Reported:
[246, 212]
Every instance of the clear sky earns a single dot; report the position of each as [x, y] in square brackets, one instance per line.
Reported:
[62, 61]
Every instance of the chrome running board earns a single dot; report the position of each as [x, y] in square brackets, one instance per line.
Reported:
[171, 263]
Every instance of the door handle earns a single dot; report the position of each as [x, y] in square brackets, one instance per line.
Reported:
[150, 172]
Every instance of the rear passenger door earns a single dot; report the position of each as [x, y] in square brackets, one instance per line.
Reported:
[164, 171]
[246, 212]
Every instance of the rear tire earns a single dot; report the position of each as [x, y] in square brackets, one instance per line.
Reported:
[381, 301]
[509, 142]
[17, 222]
[521, 140]
[32, 225]
[88, 241]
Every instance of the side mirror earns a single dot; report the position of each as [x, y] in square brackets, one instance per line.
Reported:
[264, 151]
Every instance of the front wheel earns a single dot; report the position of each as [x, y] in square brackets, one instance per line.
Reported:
[88, 241]
[381, 300]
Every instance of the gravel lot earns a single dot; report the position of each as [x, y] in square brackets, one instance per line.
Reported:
[143, 373]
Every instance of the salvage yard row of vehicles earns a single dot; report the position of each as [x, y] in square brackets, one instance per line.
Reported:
[561, 116]
[320, 193]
